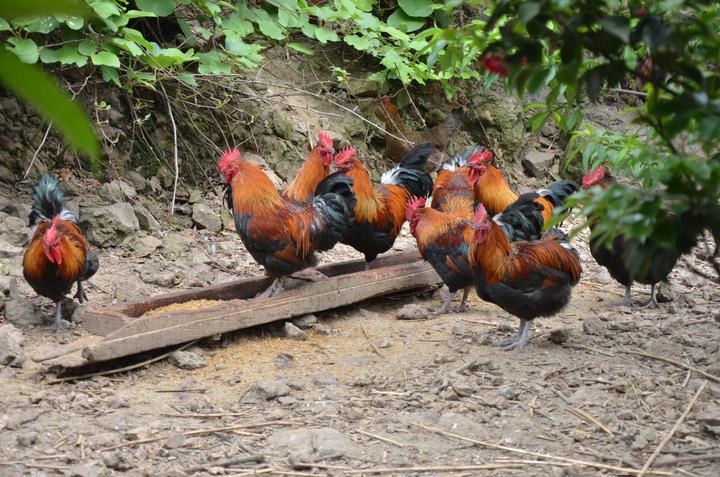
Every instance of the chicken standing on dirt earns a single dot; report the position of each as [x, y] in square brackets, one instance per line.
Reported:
[526, 279]
[280, 234]
[58, 255]
[396, 149]
[315, 168]
[380, 209]
[614, 257]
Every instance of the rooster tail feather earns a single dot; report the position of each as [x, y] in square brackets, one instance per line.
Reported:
[522, 220]
[335, 202]
[47, 201]
[558, 191]
[411, 173]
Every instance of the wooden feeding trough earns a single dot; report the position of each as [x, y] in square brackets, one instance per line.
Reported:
[121, 330]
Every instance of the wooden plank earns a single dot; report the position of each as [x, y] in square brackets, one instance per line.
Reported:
[52, 351]
[102, 322]
[146, 334]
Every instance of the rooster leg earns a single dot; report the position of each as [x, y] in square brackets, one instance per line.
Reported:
[58, 316]
[367, 265]
[628, 300]
[520, 340]
[270, 291]
[446, 304]
[653, 299]
[81, 295]
[463, 306]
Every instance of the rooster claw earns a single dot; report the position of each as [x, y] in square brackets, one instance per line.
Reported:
[460, 309]
[518, 343]
[80, 294]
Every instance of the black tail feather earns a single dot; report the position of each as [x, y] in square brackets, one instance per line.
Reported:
[522, 220]
[558, 191]
[47, 200]
[335, 200]
[411, 173]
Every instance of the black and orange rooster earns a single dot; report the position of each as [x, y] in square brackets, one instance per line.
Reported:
[453, 192]
[380, 209]
[58, 255]
[526, 279]
[396, 149]
[614, 257]
[280, 234]
[493, 191]
[315, 168]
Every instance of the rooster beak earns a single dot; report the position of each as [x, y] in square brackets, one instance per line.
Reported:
[332, 150]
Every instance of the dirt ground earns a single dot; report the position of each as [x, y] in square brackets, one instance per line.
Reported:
[368, 391]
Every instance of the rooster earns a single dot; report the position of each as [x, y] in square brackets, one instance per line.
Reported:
[315, 168]
[280, 234]
[453, 192]
[380, 209]
[526, 279]
[58, 255]
[615, 255]
[493, 191]
[438, 136]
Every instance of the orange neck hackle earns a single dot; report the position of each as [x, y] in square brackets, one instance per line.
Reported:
[252, 189]
[314, 169]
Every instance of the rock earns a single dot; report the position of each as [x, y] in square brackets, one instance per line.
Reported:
[508, 392]
[536, 163]
[109, 225]
[9, 251]
[384, 343]
[175, 441]
[362, 87]
[319, 442]
[324, 380]
[145, 219]
[413, 311]
[205, 218]
[227, 219]
[486, 117]
[195, 196]
[145, 245]
[644, 439]
[293, 332]
[165, 178]
[187, 360]
[6, 175]
[666, 292]
[322, 329]
[117, 460]
[11, 340]
[281, 126]
[592, 325]
[560, 336]
[304, 322]
[14, 230]
[38, 397]
[136, 180]
[117, 191]
[26, 439]
[82, 470]
[625, 415]
[176, 244]
[270, 389]
[23, 313]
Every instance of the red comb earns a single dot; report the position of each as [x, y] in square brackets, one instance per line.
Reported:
[482, 155]
[481, 215]
[593, 177]
[228, 157]
[345, 154]
[413, 204]
[325, 139]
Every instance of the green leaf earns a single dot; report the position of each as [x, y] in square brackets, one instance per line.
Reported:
[404, 22]
[68, 55]
[4, 25]
[42, 25]
[616, 26]
[110, 75]
[417, 8]
[38, 89]
[187, 78]
[271, 29]
[301, 48]
[104, 9]
[139, 14]
[105, 58]
[161, 8]
[528, 10]
[74, 23]
[164, 57]
[48, 55]
[213, 63]
[137, 37]
[25, 49]
[360, 43]
[538, 120]
[324, 35]
[237, 24]
[129, 46]
[87, 47]
[20, 8]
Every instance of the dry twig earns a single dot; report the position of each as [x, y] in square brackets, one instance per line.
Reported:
[646, 468]
[372, 345]
[680, 364]
[380, 438]
[584, 415]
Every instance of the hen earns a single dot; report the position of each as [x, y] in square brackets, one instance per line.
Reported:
[280, 234]
[380, 209]
[396, 149]
[315, 168]
[58, 255]
[526, 279]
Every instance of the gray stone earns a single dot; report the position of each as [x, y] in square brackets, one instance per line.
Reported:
[175, 441]
[270, 389]
[319, 442]
[14, 230]
[9, 251]
[153, 274]
[145, 219]
[508, 392]
[322, 329]
[362, 88]
[536, 163]
[11, 340]
[176, 244]
[187, 360]
[324, 380]
[205, 218]
[117, 190]
[227, 219]
[23, 313]
[560, 336]
[109, 225]
[117, 402]
[644, 439]
[592, 325]
[117, 460]
[26, 439]
[136, 180]
[413, 311]
[165, 178]
[281, 125]
[82, 470]
[195, 196]
[304, 322]
[667, 292]
[293, 332]
[145, 245]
